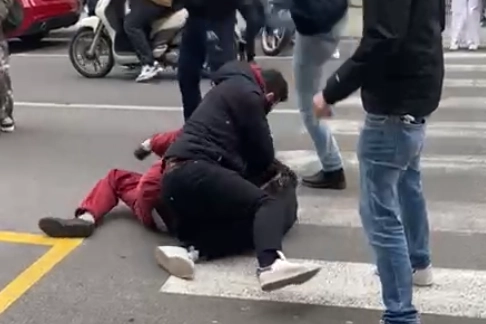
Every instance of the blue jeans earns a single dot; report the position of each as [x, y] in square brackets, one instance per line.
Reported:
[393, 209]
[310, 55]
[202, 38]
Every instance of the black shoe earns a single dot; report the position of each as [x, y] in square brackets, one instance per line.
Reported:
[141, 153]
[326, 180]
[68, 228]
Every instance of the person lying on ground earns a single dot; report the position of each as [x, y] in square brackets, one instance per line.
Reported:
[140, 192]
[226, 142]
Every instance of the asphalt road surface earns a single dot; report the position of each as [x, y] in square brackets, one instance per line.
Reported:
[72, 130]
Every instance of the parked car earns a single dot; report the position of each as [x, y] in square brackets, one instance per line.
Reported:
[42, 16]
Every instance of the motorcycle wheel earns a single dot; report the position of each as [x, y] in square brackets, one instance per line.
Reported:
[79, 57]
[273, 45]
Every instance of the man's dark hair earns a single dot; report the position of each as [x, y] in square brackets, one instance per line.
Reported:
[276, 83]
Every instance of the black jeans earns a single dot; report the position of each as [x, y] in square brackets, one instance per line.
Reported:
[203, 39]
[221, 213]
[138, 24]
[254, 15]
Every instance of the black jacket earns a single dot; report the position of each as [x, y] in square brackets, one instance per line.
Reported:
[313, 17]
[399, 64]
[230, 125]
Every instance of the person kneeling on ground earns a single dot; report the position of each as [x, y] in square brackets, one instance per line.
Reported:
[140, 192]
[226, 141]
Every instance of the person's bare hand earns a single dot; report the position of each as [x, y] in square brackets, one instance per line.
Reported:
[321, 108]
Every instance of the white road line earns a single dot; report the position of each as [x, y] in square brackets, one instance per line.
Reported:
[338, 211]
[465, 67]
[464, 83]
[447, 55]
[343, 284]
[353, 101]
[301, 160]
[434, 128]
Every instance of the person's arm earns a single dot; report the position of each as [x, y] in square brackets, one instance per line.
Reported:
[256, 137]
[384, 29]
[158, 144]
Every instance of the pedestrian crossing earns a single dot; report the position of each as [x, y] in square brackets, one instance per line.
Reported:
[329, 230]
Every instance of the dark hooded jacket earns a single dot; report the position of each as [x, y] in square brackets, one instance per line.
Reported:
[230, 125]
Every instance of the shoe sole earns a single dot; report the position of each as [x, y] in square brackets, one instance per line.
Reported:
[54, 228]
[341, 186]
[175, 266]
[297, 279]
[5, 129]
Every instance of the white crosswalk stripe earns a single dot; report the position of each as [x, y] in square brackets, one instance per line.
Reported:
[459, 290]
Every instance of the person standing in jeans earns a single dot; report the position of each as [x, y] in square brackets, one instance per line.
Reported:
[399, 66]
[315, 44]
[208, 34]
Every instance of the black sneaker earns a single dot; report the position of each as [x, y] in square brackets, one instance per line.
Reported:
[68, 228]
[326, 180]
[7, 125]
[141, 153]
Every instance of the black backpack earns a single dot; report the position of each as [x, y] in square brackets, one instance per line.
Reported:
[313, 17]
[14, 18]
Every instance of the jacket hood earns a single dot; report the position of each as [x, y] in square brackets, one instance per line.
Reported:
[239, 69]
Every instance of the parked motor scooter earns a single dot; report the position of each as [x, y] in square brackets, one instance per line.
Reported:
[101, 42]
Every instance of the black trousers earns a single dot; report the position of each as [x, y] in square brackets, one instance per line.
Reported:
[254, 15]
[202, 39]
[138, 24]
[221, 213]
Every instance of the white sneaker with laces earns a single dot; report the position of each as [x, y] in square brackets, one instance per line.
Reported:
[148, 72]
[283, 273]
[177, 261]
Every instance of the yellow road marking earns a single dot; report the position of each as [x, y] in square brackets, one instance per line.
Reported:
[30, 276]
[27, 238]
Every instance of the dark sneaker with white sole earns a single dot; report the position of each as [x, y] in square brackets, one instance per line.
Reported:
[7, 125]
[326, 180]
[66, 228]
[284, 273]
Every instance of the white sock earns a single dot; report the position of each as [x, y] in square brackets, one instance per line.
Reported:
[147, 144]
[87, 217]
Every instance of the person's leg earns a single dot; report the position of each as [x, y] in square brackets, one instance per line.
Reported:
[310, 55]
[386, 148]
[459, 17]
[7, 123]
[199, 186]
[136, 25]
[191, 59]
[220, 41]
[473, 24]
[415, 221]
[117, 184]
[254, 22]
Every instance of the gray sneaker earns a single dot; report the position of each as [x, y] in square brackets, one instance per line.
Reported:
[7, 125]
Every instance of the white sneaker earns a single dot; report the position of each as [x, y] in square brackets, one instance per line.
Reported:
[177, 261]
[473, 47]
[454, 47]
[336, 54]
[7, 125]
[148, 72]
[421, 278]
[283, 273]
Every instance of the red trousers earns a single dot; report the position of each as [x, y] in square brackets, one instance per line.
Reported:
[138, 191]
